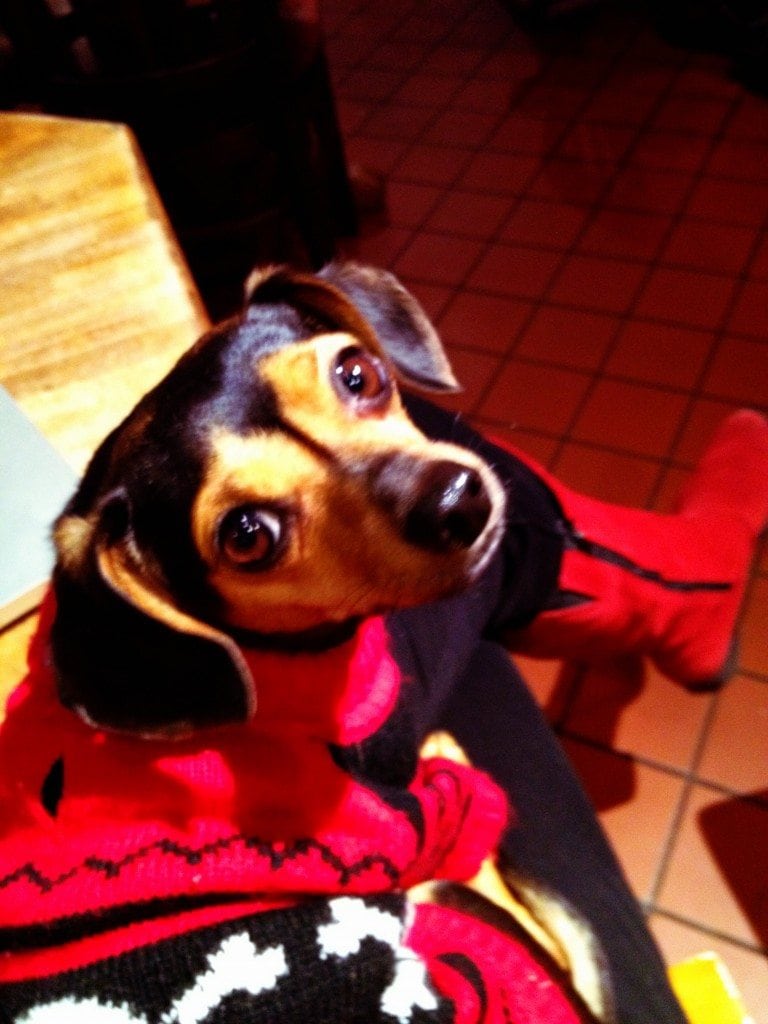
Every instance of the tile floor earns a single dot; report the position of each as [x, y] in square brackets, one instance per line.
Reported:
[586, 222]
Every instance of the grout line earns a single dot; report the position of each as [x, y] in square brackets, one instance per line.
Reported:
[690, 780]
[708, 930]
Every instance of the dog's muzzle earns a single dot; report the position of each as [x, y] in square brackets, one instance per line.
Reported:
[439, 505]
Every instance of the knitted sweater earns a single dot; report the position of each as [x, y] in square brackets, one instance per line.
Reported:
[243, 873]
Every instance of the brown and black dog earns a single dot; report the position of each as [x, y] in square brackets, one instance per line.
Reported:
[264, 500]
[272, 490]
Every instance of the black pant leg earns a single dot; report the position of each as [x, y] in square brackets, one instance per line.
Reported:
[557, 838]
[469, 686]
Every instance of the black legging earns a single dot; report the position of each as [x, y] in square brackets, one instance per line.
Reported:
[466, 683]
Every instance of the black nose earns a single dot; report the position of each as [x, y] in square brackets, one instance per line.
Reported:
[450, 508]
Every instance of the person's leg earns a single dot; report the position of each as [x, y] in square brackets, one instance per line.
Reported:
[556, 839]
[624, 580]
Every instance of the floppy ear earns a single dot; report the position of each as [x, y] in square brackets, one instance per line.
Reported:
[125, 656]
[402, 326]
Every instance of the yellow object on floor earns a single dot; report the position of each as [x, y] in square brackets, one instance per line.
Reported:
[707, 992]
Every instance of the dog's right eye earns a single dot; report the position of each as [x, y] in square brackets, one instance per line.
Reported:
[361, 379]
[250, 537]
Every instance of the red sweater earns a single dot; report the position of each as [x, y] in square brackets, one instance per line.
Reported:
[109, 843]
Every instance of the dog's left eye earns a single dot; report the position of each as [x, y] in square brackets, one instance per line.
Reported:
[361, 378]
[250, 536]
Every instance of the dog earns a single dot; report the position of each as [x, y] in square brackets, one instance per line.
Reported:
[272, 490]
[215, 634]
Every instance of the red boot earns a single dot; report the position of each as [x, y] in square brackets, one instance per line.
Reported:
[668, 586]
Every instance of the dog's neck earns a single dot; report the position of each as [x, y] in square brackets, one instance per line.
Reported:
[317, 639]
[341, 694]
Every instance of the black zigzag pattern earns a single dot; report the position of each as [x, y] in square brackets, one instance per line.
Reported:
[277, 856]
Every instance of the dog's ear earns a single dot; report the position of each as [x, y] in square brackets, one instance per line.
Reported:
[126, 657]
[369, 302]
[402, 326]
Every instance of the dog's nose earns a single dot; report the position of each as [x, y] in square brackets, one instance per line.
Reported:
[449, 509]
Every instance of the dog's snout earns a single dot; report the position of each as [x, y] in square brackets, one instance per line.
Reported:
[450, 508]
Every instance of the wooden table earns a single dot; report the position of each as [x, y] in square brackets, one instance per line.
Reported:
[96, 301]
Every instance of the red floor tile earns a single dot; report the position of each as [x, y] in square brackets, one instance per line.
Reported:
[543, 680]
[520, 133]
[750, 119]
[502, 173]
[351, 113]
[580, 72]
[620, 106]
[514, 270]
[376, 244]
[707, 77]
[720, 248]
[627, 233]
[640, 804]
[568, 337]
[432, 165]
[739, 372]
[475, 372]
[639, 419]
[439, 258]
[653, 353]
[404, 123]
[671, 486]
[549, 225]
[703, 115]
[638, 78]
[624, 479]
[409, 204]
[711, 880]
[571, 181]
[702, 420]
[719, 199]
[589, 141]
[592, 282]
[471, 127]
[649, 189]
[433, 297]
[487, 322]
[423, 90]
[552, 101]
[401, 55]
[450, 60]
[670, 151]
[692, 298]
[739, 159]
[753, 650]
[473, 214]
[737, 739]
[486, 95]
[370, 83]
[377, 154]
[535, 397]
[629, 706]
[759, 266]
[512, 65]
[750, 311]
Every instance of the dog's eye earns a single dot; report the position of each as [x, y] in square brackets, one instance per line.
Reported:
[250, 536]
[361, 378]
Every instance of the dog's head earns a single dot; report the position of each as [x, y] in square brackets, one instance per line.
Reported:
[271, 490]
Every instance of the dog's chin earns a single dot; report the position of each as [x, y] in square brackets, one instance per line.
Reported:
[443, 582]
